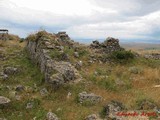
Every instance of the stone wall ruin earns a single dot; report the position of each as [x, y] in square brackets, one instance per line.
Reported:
[108, 46]
[56, 72]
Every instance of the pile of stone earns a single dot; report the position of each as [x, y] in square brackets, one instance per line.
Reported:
[108, 46]
[57, 72]
[63, 36]
[155, 56]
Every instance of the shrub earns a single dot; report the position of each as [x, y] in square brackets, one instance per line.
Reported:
[122, 56]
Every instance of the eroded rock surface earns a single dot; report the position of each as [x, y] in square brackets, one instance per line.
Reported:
[56, 71]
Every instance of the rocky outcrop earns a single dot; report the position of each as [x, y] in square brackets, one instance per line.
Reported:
[108, 46]
[56, 71]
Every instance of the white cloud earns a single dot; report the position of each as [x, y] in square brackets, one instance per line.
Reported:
[125, 19]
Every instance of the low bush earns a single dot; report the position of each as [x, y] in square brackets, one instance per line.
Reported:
[122, 56]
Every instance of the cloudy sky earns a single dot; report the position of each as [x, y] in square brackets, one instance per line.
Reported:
[84, 19]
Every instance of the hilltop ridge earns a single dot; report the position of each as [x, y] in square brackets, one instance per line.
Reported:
[49, 76]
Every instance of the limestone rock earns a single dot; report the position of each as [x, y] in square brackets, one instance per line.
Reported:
[40, 54]
[155, 56]
[92, 117]
[44, 92]
[76, 54]
[112, 108]
[10, 70]
[20, 88]
[79, 65]
[4, 100]
[84, 96]
[29, 105]
[51, 116]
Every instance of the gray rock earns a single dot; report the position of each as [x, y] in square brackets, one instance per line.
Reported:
[3, 76]
[20, 88]
[68, 95]
[68, 75]
[76, 54]
[92, 117]
[44, 92]
[112, 108]
[84, 96]
[51, 116]
[155, 56]
[29, 105]
[18, 97]
[10, 70]
[4, 100]
[65, 57]
[79, 65]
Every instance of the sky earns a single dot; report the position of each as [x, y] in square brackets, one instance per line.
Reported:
[134, 20]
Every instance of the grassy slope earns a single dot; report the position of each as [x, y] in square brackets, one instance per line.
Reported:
[135, 88]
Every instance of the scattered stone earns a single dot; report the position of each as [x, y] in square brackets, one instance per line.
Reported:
[92, 117]
[69, 75]
[84, 96]
[20, 88]
[10, 70]
[69, 94]
[44, 92]
[155, 56]
[51, 116]
[18, 97]
[4, 101]
[79, 65]
[29, 105]
[112, 108]
[65, 57]
[76, 54]
[4, 76]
